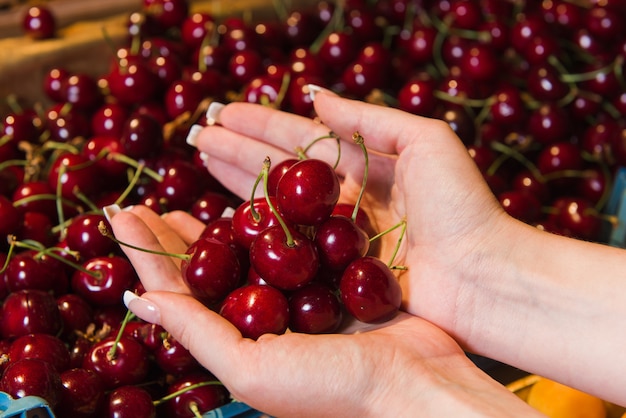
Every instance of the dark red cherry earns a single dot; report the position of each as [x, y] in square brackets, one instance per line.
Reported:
[210, 206]
[131, 82]
[337, 50]
[181, 97]
[29, 311]
[180, 186]
[549, 123]
[127, 365]
[35, 196]
[579, 216]
[212, 271]
[23, 126]
[167, 13]
[264, 90]
[285, 265]
[173, 358]
[129, 401]
[108, 120]
[82, 394]
[417, 97]
[479, 63]
[507, 109]
[65, 122]
[28, 270]
[314, 309]
[32, 377]
[244, 65]
[339, 241]
[247, 226]
[526, 182]
[521, 205]
[369, 290]
[195, 395]
[142, 136]
[74, 173]
[39, 23]
[53, 83]
[45, 347]
[76, 314]
[544, 83]
[307, 193]
[300, 28]
[82, 91]
[197, 27]
[105, 280]
[558, 157]
[10, 218]
[419, 44]
[83, 235]
[256, 310]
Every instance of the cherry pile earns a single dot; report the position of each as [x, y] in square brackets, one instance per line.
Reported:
[535, 90]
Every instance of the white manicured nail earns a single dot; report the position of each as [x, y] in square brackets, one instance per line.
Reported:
[205, 158]
[143, 308]
[313, 90]
[192, 136]
[110, 211]
[213, 113]
[228, 212]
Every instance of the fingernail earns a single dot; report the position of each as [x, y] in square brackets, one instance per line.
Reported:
[142, 307]
[205, 158]
[313, 90]
[110, 211]
[213, 113]
[192, 136]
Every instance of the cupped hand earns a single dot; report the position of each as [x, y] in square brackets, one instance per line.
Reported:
[391, 369]
[418, 170]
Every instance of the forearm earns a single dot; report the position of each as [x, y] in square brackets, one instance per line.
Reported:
[554, 306]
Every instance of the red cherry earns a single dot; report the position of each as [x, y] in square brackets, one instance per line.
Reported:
[167, 13]
[32, 377]
[128, 366]
[204, 398]
[110, 277]
[369, 290]
[339, 241]
[29, 311]
[82, 394]
[246, 227]
[256, 310]
[314, 309]
[129, 401]
[10, 217]
[76, 314]
[173, 358]
[521, 205]
[212, 271]
[39, 23]
[83, 235]
[45, 347]
[307, 193]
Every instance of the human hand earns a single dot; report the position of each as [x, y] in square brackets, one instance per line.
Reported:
[391, 369]
[418, 170]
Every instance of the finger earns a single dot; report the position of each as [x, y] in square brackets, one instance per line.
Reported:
[236, 179]
[257, 131]
[384, 129]
[212, 340]
[186, 226]
[168, 237]
[155, 271]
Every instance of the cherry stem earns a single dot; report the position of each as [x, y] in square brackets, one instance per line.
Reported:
[401, 224]
[301, 152]
[113, 350]
[360, 141]
[104, 230]
[52, 252]
[131, 184]
[186, 389]
[265, 172]
[116, 156]
[59, 199]
[253, 211]
[518, 156]
[334, 24]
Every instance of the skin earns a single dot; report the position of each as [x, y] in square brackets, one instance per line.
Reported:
[477, 279]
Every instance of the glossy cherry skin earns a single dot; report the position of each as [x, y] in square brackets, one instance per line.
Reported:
[174, 359]
[84, 236]
[521, 205]
[27, 270]
[45, 347]
[77, 175]
[142, 136]
[76, 314]
[281, 265]
[579, 217]
[212, 270]
[276, 172]
[129, 365]
[109, 119]
[256, 310]
[210, 206]
[82, 394]
[82, 92]
[180, 186]
[369, 290]
[417, 97]
[129, 401]
[204, 398]
[32, 377]
[245, 227]
[52, 83]
[38, 197]
[29, 312]
[314, 309]
[339, 241]
[10, 218]
[114, 275]
[39, 23]
[307, 193]
[180, 97]
[131, 82]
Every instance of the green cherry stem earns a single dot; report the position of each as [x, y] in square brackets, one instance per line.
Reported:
[265, 173]
[401, 224]
[104, 230]
[301, 152]
[113, 350]
[360, 141]
[186, 389]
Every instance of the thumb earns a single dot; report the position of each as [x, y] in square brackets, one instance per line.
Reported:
[210, 338]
